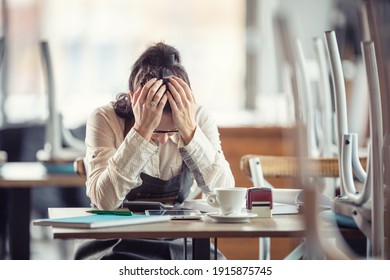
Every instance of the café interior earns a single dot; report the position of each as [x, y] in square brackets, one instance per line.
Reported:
[302, 86]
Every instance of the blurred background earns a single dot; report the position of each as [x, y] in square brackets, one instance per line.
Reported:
[227, 46]
[232, 50]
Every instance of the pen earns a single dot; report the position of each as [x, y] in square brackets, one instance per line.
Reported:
[111, 212]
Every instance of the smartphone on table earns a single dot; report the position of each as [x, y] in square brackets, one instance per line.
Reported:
[177, 214]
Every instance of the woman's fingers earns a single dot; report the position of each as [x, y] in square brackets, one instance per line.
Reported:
[145, 90]
[162, 102]
[176, 91]
[153, 90]
[172, 101]
[150, 94]
[183, 115]
[135, 96]
[185, 87]
[158, 96]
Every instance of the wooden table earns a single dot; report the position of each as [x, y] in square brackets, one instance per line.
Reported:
[200, 231]
[19, 178]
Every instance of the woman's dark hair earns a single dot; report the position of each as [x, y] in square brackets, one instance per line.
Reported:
[158, 61]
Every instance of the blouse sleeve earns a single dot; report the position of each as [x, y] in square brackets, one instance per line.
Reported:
[113, 169]
[204, 155]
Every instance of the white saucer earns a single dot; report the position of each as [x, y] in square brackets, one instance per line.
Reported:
[232, 218]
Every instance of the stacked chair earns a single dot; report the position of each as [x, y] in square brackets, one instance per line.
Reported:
[329, 160]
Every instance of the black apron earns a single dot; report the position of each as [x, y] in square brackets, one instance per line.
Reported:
[172, 191]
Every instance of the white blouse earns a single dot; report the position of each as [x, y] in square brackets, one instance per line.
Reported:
[114, 163]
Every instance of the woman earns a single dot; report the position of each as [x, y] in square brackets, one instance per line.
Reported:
[153, 143]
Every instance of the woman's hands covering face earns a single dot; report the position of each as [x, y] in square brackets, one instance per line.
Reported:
[183, 108]
[148, 103]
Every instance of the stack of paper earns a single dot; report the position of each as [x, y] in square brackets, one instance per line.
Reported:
[100, 221]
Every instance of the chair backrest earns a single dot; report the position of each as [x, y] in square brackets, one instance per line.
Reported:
[79, 166]
[288, 166]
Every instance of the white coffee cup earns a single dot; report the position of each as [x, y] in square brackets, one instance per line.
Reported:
[228, 200]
